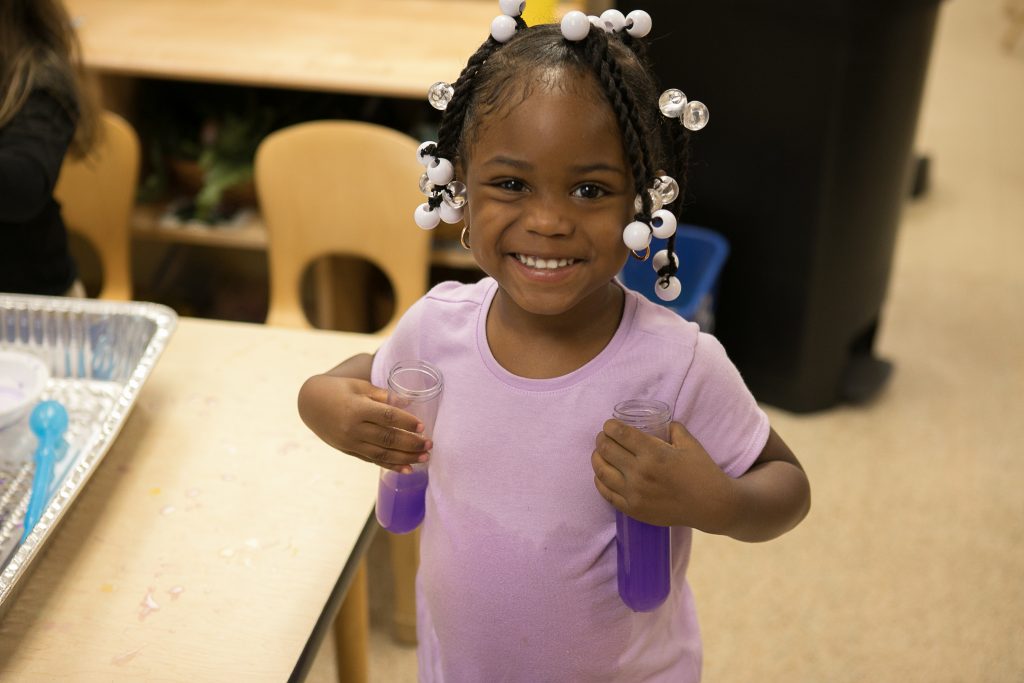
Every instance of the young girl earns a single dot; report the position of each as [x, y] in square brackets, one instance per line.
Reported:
[43, 112]
[555, 131]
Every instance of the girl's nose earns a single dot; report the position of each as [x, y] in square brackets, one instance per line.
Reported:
[549, 218]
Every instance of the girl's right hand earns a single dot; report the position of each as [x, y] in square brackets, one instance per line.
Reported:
[353, 416]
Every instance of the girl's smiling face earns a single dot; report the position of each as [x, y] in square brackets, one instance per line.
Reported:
[549, 193]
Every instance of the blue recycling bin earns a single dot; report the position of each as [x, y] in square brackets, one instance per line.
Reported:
[701, 253]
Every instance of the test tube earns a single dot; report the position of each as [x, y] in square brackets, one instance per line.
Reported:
[415, 387]
[643, 550]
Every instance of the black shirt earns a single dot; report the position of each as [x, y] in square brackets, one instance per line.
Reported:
[34, 257]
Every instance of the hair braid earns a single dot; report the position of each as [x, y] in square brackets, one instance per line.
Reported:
[454, 117]
[678, 155]
[676, 147]
[453, 120]
[637, 45]
[609, 74]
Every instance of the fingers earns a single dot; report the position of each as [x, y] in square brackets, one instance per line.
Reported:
[353, 416]
[391, 460]
[380, 412]
[390, 437]
[630, 438]
[612, 464]
[635, 441]
[391, 446]
[613, 497]
[622, 462]
[679, 435]
[613, 454]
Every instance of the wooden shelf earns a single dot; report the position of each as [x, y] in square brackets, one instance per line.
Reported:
[252, 234]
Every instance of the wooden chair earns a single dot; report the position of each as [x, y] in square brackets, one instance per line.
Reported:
[97, 194]
[348, 188]
[340, 188]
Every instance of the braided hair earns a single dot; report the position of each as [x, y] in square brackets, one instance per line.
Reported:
[498, 72]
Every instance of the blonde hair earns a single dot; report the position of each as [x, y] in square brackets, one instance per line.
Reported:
[39, 50]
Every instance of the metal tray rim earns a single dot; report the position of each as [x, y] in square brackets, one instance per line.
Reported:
[165, 320]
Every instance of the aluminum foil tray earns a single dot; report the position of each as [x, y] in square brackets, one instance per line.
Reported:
[100, 353]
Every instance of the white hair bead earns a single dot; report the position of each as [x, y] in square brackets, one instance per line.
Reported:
[660, 260]
[595, 21]
[668, 289]
[422, 156]
[663, 224]
[637, 235]
[426, 217]
[448, 214]
[638, 23]
[613, 20]
[512, 8]
[503, 28]
[575, 26]
[440, 171]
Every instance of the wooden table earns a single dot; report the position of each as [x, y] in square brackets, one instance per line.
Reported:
[395, 48]
[209, 544]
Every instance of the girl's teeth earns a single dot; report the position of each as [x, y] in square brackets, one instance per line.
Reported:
[542, 264]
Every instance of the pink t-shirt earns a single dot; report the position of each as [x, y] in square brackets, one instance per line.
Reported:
[517, 578]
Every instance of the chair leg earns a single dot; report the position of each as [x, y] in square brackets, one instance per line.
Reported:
[405, 554]
[1015, 14]
[323, 277]
[352, 631]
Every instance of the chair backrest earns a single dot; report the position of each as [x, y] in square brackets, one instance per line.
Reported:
[97, 194]
[346, 188]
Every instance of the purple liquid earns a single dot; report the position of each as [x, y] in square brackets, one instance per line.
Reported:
[401, 500]
[644, 563]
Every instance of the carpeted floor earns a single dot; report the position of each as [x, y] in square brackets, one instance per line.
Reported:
[910, 567]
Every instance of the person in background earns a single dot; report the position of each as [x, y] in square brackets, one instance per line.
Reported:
[44, 114]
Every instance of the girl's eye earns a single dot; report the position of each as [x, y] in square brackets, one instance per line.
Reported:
[589, 191]
[511, 185]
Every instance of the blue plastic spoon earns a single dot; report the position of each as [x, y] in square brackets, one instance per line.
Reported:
[49, 420]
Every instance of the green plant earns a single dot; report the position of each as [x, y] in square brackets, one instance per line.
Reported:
[218, 128]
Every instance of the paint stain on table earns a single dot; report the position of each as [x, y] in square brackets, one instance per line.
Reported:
[121, 660]
[148, 605]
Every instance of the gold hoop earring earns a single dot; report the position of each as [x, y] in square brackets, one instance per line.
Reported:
[464, 238]
[638, 257]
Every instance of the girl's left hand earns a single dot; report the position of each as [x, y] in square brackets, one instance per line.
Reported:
[668, 484]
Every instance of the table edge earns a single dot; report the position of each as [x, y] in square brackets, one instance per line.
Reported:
[325, 621]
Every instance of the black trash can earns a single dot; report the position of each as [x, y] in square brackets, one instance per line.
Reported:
[804, 167]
